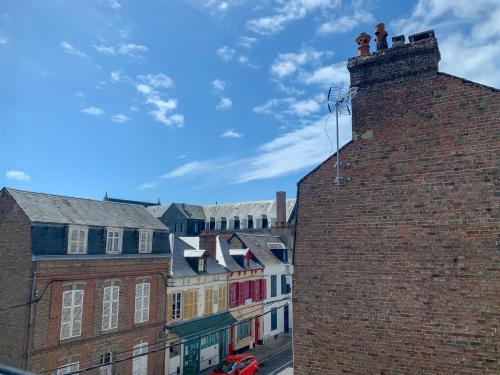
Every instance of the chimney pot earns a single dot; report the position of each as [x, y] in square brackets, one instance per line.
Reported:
[363, 41]
[420, 36]
[381, 36]
[398, 40]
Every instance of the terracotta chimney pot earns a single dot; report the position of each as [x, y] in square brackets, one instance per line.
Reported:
[363, 41]
[381, 36]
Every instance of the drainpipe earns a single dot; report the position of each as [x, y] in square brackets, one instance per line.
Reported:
[30, 318]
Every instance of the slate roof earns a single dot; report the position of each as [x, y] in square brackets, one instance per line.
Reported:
[117, 200]
[258, 245]
[48, 208]
[224, 257]
[227, 210]
[180, 266]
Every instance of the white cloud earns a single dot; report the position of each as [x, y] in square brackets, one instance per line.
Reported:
[293, 151]
[304, 108]
[224, 103]
[114, 4]
[163, 107]
[193, 167]
[17, 175]
[115, 76]
[289, 106]
[134, 108]
[247, 41]
[71, 50]
[346, 23]
[287, 64]
[331, 75]
[231, 133]
[132, 50]
[4, 40]
[79, 95]
[218, 84]
[147, 185]
[268, 108]
[226, 53]
[288, 12]
[123, 34]
[468, 35]
[94, 111]
[105, 50]
[159, 80]
[120, 118]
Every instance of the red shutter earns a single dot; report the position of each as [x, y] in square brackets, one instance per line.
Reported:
[233, 294]
[263, 290]
[241, 297]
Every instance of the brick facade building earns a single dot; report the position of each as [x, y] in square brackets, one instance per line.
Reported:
[97, 271]
[396, 269]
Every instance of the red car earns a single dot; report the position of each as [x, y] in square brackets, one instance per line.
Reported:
[240, 364]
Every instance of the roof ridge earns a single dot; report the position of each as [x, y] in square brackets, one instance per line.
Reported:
[71, 197]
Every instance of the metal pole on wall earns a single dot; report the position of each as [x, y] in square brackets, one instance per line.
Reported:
[337, 157]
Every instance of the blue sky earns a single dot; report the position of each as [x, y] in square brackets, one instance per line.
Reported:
[197, 100]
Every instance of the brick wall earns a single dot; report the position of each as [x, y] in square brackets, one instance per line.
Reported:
[92, 276]
[396, 270]
[15, 280]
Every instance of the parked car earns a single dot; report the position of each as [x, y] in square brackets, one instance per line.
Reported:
[240, 364]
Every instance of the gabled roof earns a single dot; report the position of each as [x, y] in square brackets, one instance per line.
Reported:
[223, 250]
[116, 200]
[258, 245]
[158, 211]
[180, 266]
[57, 209]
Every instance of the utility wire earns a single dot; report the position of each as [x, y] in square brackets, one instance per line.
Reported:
[163, 342]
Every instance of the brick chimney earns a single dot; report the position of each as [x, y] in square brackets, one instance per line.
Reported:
[281, 209]
[380, 75]
[208, 242]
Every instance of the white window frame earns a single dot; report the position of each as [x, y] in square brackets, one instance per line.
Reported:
[146, 244]
[113, 305]
[106, 368]
[118, 231]
[176, 302]
[78, 242]
[68, 368]
[202, 264]
[142, 302]
[75, 313]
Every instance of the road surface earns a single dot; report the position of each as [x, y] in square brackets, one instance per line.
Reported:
[281, 362]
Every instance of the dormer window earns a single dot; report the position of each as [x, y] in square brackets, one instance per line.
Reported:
[250, 222]
[202, 264]
[114, 241]
[145, 240]
[77, 240]
[265, 222]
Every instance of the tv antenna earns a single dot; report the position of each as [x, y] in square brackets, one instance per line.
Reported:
[339, 100]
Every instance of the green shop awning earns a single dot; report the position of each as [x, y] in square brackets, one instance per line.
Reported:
[200, 327]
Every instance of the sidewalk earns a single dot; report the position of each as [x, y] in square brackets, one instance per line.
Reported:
[264, 352]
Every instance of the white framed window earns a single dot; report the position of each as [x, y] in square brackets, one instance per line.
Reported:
[69, 368]
[176, 305]
[201, 264]
[141, 303]
[110, 306]
[77, 240]
[114, 241]
[140, 361]
[71, 317]
[145, 240]
[106, 361]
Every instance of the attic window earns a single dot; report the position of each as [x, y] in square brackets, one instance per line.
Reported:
[77, 241]
[265, 223]
[236, 223]
[202, 264]
[250, 222]
[223, 223]
[276, 246]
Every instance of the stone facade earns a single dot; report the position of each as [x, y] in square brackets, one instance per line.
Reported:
[396, 269]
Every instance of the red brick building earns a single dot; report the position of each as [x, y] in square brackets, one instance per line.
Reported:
[97, 271]
[397, 268]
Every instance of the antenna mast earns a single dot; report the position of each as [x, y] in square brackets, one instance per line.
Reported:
[340, 98]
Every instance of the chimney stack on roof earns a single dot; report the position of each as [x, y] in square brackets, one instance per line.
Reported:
[208, 242]
[281, 209]
[381, 36]
[363, 41]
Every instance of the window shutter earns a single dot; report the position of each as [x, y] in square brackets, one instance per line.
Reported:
[240, 294]
[138, 303]
[252, 290]
[195, 303]
[115, 303]
[186, 297]
[145, 302]
[66, 314]
[77, 312]
[106, 308]
[207, 302]
[170, 307]
[263, 289]
[222, 298]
